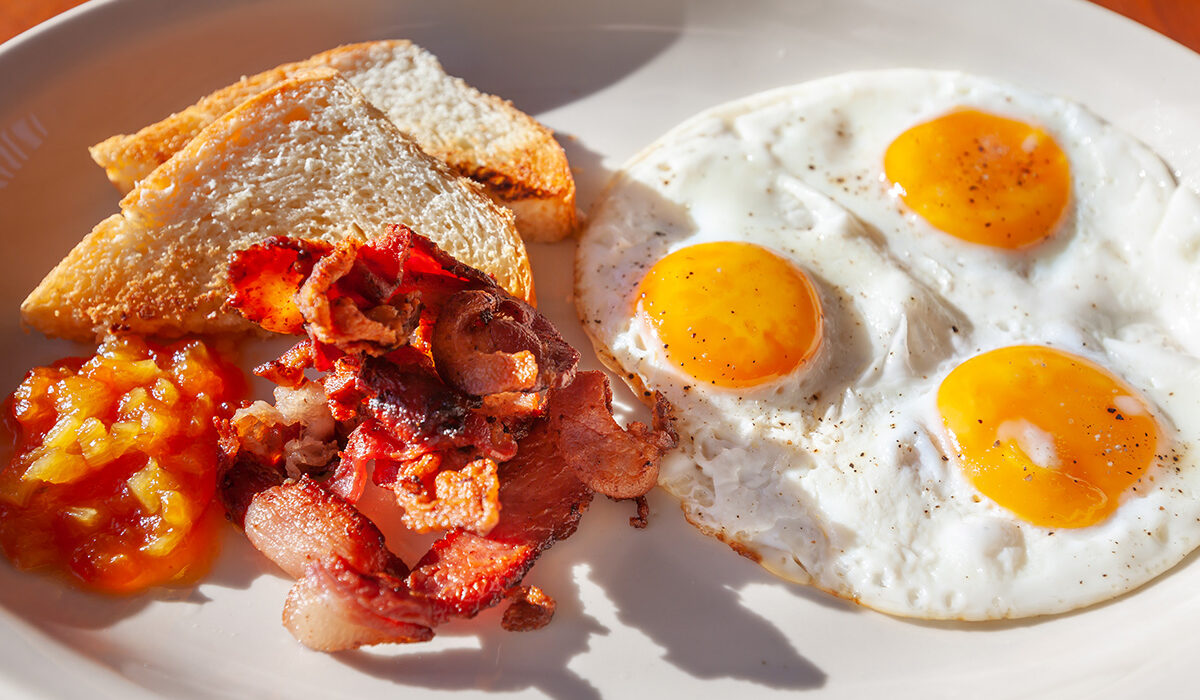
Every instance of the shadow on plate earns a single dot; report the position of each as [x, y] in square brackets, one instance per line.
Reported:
[504, 661]
[50, 602]
[587, 168]
[666, 585]
[47, 602]
[662, 584]
[540, 55]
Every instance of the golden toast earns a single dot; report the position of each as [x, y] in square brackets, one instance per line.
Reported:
[481, 136]
[308, 157]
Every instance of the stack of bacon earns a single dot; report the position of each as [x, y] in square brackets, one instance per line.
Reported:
[441, 387]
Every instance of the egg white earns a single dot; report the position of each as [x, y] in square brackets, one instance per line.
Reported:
[839, 475]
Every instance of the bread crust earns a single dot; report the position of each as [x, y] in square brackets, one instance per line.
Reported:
[514, 157]
[159, 267]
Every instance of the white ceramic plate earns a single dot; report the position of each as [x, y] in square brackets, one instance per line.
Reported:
[662, 612]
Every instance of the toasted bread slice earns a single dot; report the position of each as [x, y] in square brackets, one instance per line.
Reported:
[481, 136]
[309, 158]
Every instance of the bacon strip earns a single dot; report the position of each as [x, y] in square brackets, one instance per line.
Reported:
[335, 607]
[530, 609]
[288, 369]
[462, 400]
[541, 502]
[354, 317]
[410, 406]
[350, 589]
[298, 523]
[487, 342]
[265, 277]
[619, 463]
[467, 497]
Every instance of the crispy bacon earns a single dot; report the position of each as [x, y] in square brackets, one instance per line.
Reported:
[530, 609]
[365, 444]
[487, 342]
[351, 591]
[353, 316]
[352, 471]
[431, 270]
[541, 501]
[427, 442]
[459, 398]
[620, 463]
[265, 278]
[356, 296]
[411, 410]
[297, 523]
[378, 267]
[414, 407]
[288, 369]
[335, 607]
[243, 477]
[466, 497]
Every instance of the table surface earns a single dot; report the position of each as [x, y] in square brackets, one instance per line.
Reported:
[1177, 19]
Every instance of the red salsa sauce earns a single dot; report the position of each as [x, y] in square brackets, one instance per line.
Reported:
[113, 471]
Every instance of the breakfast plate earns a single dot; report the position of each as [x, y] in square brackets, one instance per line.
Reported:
[661, 611]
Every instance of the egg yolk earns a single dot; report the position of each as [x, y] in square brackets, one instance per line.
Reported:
[731, 314]
[982, 178]
[1050, 436]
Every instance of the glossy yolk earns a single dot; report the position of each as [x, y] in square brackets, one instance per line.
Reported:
[731, 314]
[982, 178]
[1050, 436]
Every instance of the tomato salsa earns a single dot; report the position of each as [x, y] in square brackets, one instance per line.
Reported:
[114, 465]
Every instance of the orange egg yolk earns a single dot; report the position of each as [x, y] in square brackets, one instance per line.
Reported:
[1050, 436]
[731, 314]
[982, 178]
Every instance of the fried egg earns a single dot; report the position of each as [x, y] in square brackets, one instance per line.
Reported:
[930, 339]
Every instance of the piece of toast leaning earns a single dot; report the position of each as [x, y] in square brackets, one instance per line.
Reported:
[310, 158]
[481, 136]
